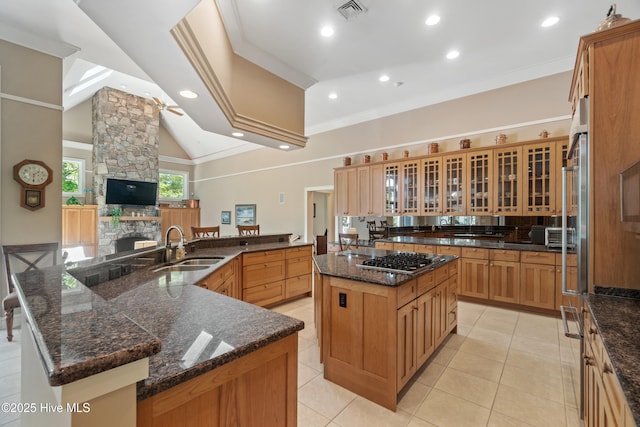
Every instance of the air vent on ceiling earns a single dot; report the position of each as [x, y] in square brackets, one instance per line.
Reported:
[351, 9]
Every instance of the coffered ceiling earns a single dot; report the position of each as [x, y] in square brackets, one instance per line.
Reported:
[127, 45]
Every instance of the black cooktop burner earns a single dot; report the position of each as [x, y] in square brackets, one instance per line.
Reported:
[401, 262]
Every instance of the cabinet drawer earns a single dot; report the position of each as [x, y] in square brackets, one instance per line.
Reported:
[297, 286]
[538, 258]
[476, 253]
[572, 260]
[426, 282]
[448, 250]
[258, 274]
[298, 266]
[302, 251]
[216, 278]
[404, 247]
[425, 249]
[452, 319]
[453, 267]
[265, 294]
[502, 255]
[262, 257]
[443, 272]
[407, 293]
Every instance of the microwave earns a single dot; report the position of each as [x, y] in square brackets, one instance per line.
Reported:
[630, 198]
[553, 237]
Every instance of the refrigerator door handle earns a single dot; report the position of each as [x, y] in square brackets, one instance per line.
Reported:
[576, 318]
[565, 172]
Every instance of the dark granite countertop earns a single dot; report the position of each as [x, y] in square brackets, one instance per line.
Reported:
[84, 330]
[475, 243]
[617, 319]
[344, 264]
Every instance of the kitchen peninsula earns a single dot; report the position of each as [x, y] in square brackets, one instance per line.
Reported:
[135, 339]
[377, 326]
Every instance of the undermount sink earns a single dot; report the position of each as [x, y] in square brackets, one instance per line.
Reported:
[182, 267]
[201, 261]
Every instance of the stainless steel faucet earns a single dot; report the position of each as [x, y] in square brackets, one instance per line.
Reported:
[167, 243]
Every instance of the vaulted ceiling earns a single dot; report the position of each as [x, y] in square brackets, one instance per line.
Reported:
[127, 45]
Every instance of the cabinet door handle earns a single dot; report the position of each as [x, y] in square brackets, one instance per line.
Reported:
[607, 369]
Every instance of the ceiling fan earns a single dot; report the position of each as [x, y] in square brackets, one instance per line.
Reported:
[161, 106]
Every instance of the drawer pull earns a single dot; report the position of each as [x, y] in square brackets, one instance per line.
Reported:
[607, 369]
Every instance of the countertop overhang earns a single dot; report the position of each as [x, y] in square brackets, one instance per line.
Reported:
[84, 330]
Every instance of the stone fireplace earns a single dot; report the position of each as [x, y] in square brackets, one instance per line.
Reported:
[125, 146]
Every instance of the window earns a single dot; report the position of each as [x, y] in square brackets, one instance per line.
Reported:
[174, 185]
[72, 177]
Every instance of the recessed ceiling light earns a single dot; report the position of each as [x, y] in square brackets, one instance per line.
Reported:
[123, 86]
[453, 54]
[552, 20]
[384, 78]
[333, 95]
[188, 94]
[284, 147]
[432, 20]
[147, 93]
[238, 134]
[327, 31]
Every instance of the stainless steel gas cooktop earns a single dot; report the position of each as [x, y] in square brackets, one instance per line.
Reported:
[403, 262]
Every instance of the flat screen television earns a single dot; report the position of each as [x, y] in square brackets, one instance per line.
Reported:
[127, 192]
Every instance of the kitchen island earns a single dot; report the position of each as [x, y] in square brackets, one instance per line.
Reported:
[376, 327]
[149, 348]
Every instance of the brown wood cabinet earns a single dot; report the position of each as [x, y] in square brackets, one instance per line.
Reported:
[346, 191]
[257, 389]
[507, 181]
[371, 190]
[431, 168]
[540, 179]
[537, 281]
[273, 276]
[80, 228]
[604, 401]
[374, 338]
[480, 177]
[504, 276]
[455, 188]
[224, 279]
[184, 217]
[606, 70]
[474, 272]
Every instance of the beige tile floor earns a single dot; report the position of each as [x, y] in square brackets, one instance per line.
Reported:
[502, 368]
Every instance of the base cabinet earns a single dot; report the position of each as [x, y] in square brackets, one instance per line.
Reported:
[270, 277]
[604, 401]
[474, 273]
[259, 389]
[224, 280]
[374, 338]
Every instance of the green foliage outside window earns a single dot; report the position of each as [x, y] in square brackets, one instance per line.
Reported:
[172, 186]
[70, 177]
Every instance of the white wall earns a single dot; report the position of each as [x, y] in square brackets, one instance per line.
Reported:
[520, 111]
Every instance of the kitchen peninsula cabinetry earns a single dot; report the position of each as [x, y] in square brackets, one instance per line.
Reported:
[272, 276]
[80, 228]
[224, 280]
[375, 337]
[184, 217]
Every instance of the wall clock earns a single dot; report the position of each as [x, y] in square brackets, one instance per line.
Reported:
[33, 176]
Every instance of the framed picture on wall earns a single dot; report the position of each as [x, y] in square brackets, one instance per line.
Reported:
[245, 214]
[226, 217]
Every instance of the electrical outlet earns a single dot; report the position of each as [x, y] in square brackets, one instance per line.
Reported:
[115, 272]
[342, 300]
[126, 269]
[92, 279]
